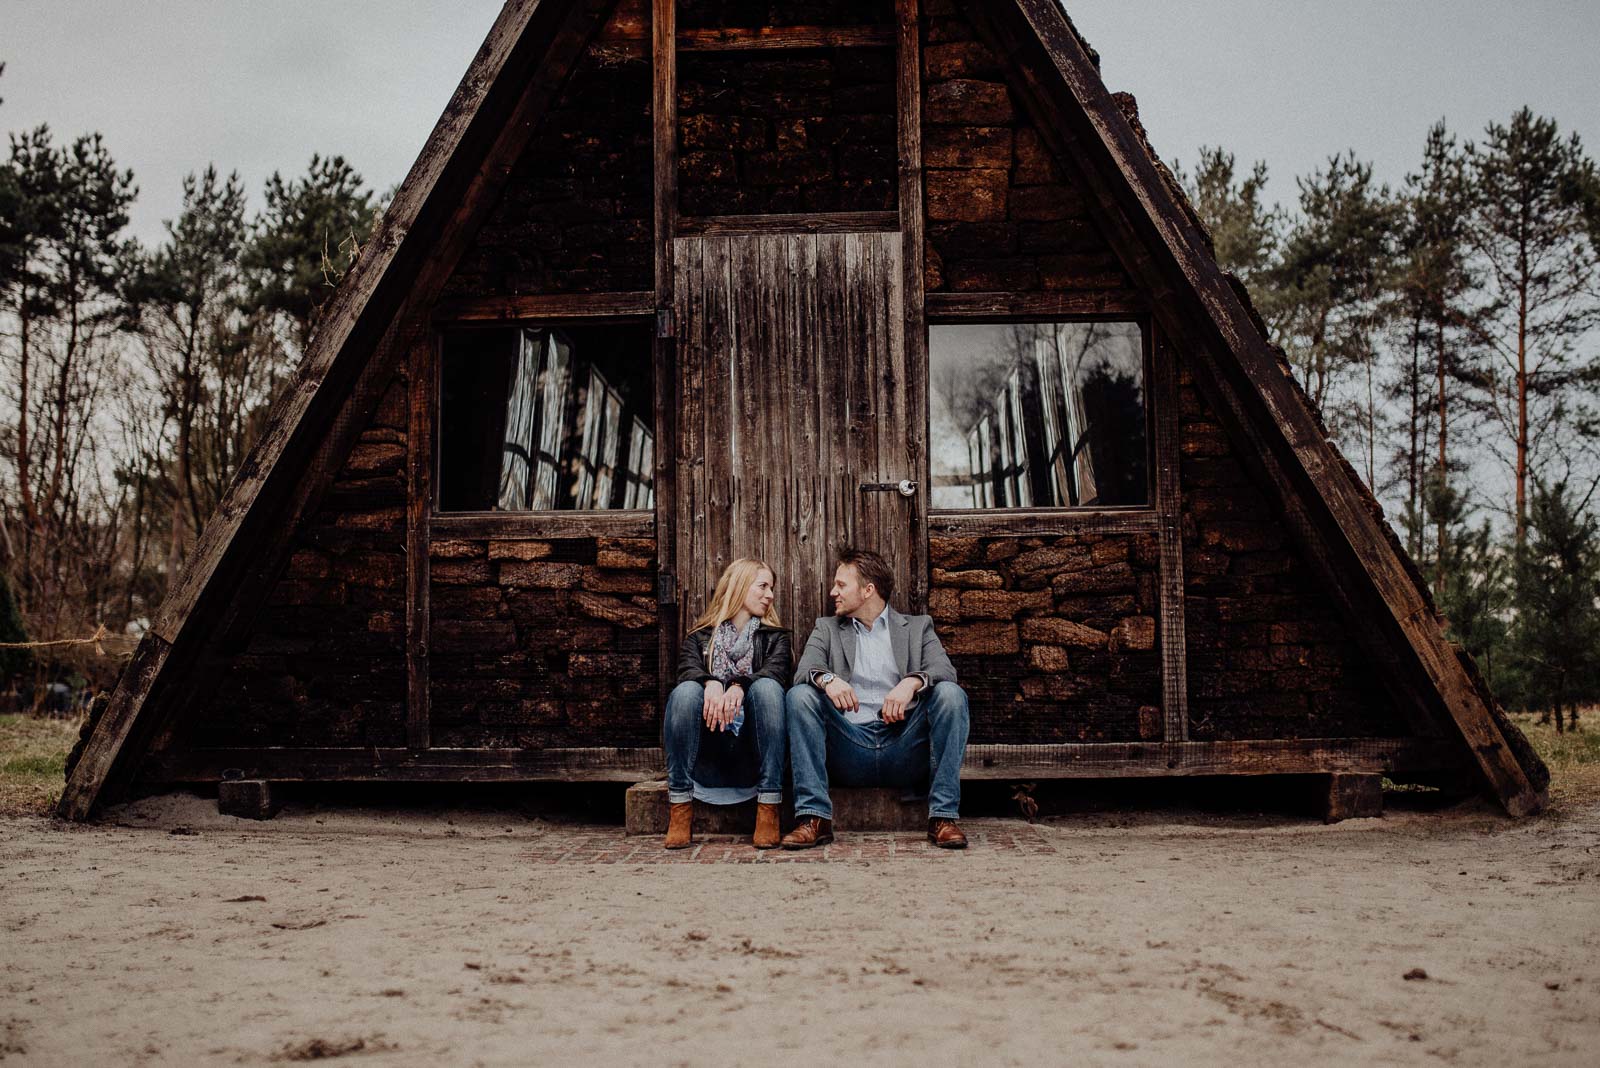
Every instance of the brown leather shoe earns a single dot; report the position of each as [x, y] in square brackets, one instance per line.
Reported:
[810, 831]
[766, 836]
[680, 825]
[946, 834]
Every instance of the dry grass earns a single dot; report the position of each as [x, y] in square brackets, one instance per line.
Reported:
[1573, 757]
[33, 758]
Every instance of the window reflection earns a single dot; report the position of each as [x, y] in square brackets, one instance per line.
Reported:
[1037, 415]
[546, 419]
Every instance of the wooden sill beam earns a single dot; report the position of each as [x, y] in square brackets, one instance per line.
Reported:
[1306, 756]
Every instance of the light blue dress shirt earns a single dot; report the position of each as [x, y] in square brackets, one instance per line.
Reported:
[874, 672]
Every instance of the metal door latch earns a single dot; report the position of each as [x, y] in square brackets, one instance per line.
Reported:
[905, 487]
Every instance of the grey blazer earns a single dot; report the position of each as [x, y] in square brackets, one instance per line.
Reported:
[917, 650]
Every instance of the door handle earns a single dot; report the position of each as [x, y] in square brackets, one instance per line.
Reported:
[905, 487]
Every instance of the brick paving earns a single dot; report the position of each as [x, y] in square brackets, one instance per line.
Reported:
[585, 846]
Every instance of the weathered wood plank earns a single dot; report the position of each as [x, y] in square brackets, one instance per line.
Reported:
[1347, 756]
[521, 308]
[534, 526]
[958, 307]
[1043, 522]
[755, 38]
[1347, 797]
[100, 753]
[826, 222]
[419, 510]
[1304, 756]
[913, 321]
[668, 347]
[1161, 362]
[406, 765]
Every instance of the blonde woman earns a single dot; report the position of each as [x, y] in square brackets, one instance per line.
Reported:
[724, 731]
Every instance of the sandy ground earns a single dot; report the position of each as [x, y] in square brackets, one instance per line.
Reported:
[418, 937]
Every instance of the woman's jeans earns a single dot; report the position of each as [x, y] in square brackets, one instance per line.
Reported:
[925, 747]
[685, 726]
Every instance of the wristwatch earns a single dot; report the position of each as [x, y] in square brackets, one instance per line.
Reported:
[825, 678]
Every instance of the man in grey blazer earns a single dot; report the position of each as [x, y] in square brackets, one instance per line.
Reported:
[875, 703]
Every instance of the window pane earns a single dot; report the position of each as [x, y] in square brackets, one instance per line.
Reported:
[546, 418]
[1037, 415]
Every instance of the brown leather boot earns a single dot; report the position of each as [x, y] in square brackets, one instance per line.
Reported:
[680, 825]
[946, 834]
[810, 831]
[766, 836]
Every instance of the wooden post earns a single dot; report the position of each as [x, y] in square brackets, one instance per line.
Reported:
[909, 123]
[1169, 509]
[1348, 797]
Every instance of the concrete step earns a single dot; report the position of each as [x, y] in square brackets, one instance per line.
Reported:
[855, 808]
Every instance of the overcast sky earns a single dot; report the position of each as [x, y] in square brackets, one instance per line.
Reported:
[259, 85]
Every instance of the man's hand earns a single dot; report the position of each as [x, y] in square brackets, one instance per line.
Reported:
[711, 709]
[842, 694]
[895, 702]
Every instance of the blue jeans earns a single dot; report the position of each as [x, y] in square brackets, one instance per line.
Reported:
[685, 727]
[926, 747]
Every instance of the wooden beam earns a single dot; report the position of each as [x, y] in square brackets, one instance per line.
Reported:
[544, 307]
[1163, 394]
[665, 402]
[908, 99]
[822, 222]
[1310, 756]
[407, 765]
[423, 401]
[959, 307]
[1043, 522]
[1036, 34]
[1301, 756]
[744, 39]
[537, 526]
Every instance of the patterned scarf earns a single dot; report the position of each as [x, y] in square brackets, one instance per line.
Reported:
[733, 651]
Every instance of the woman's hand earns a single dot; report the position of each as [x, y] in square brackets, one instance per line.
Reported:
[731, 703]
[711, 708]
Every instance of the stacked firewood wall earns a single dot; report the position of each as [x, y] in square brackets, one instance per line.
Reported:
[325, 663]
[781, 132]
[1269, 655]
[1001, 215]
[576, 214]
[544, 644]
[1054, 639]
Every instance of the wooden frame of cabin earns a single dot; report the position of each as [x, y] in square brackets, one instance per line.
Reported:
[1254, 617]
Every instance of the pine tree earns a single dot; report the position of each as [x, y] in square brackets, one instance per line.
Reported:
[308, 236]
[1529, 228]
[1557, 623]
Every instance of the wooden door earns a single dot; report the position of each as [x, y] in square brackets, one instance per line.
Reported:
[795, 393]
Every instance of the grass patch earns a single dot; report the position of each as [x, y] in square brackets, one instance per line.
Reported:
[33, 760]
[1573, 757]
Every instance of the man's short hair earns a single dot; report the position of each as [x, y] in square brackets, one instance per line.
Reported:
[871, 567]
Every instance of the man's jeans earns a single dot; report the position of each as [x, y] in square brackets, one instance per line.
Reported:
[926, 747]
[685, 726]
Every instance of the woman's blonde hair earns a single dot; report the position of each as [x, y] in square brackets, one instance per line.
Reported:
[732, 588]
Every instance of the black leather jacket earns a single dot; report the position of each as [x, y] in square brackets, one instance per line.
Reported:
[773, 659]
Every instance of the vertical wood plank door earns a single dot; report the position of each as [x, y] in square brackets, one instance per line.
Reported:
[794, 392]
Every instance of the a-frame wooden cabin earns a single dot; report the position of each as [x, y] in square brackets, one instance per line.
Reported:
[673, 285]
